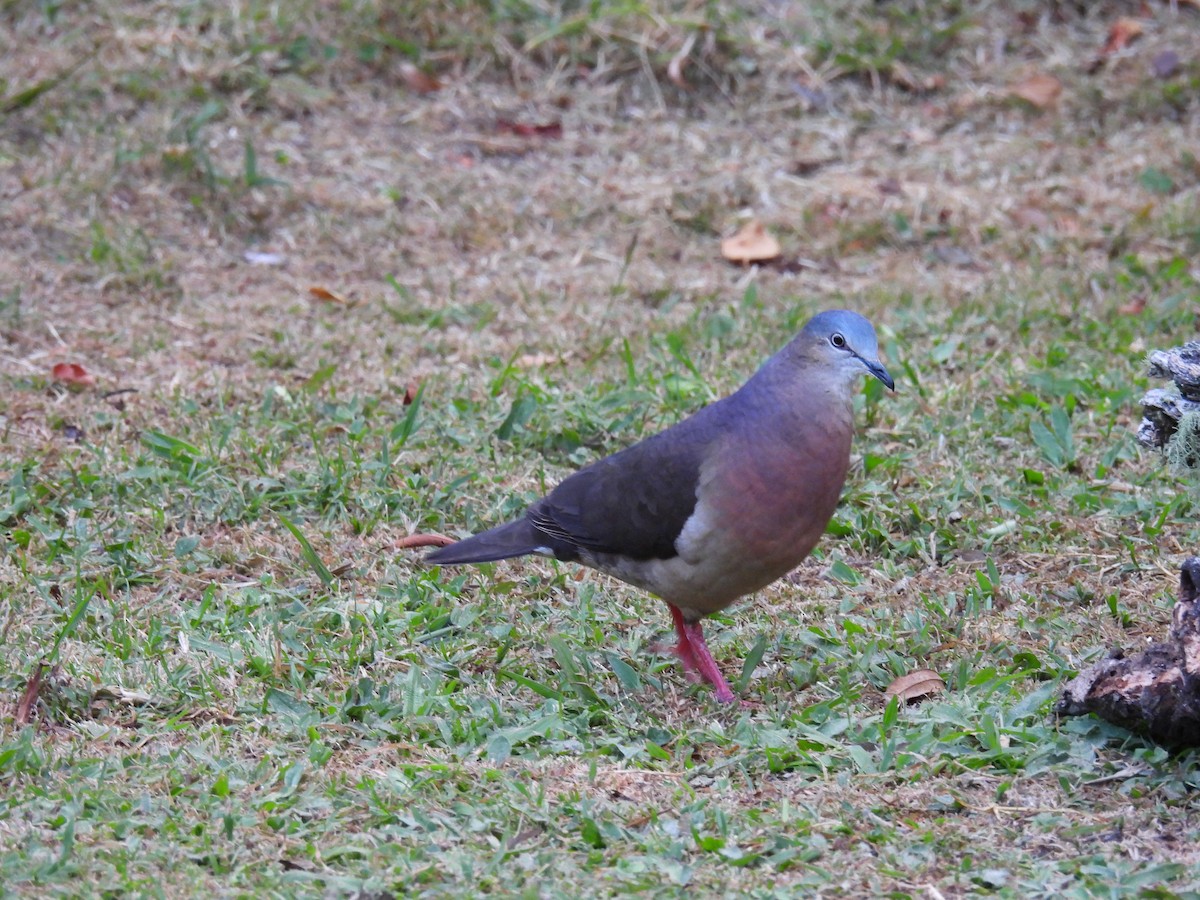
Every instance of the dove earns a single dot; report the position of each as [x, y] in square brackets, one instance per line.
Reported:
[718, 505]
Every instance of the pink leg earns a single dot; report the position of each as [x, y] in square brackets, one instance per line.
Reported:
[683, 649]
[692, 651]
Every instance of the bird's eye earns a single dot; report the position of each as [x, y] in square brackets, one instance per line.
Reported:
[837, 340]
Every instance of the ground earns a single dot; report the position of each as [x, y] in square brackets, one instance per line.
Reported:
[335, 274]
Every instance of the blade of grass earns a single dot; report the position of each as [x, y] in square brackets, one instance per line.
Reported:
[307, 551]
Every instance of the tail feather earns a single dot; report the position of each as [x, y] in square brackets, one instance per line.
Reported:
[517, 538]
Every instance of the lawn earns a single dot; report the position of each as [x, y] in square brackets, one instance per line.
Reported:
[283, 284]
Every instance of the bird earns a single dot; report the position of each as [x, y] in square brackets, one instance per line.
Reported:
[719, 505]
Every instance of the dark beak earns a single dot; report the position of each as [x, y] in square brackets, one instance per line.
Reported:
[875, 367]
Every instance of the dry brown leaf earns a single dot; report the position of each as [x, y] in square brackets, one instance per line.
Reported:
[753, 243]
[1040, 90]
[327, 295]
[536, 360]
[1123, 32]
[33, 687]
[418, 81]
[915, 685]
[73, 373]
[431, 539]
[1134, 306]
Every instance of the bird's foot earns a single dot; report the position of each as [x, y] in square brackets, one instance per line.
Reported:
[691, 668]
[706, 664]
[683, 652]
[698, 663]
[721, 690]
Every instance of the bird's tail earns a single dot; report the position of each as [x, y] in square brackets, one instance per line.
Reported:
[517, 538]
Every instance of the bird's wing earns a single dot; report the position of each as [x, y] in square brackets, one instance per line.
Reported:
[635, 502]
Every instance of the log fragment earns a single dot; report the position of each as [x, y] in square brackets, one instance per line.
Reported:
[1156, 692]
[1164, 410]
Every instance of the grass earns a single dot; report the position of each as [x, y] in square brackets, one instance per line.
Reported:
[248, 691]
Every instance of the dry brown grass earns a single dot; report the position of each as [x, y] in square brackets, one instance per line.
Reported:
[382, 181]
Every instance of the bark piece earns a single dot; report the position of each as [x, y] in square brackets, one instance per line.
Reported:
[1162, 410]
[1156, 692]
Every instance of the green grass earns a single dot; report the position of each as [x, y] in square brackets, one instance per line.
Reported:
[249, 691]
[393, 725]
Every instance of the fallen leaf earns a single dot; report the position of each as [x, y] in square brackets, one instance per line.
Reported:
[548, 130]
[1123, 32]
[327, 295]
[536, 360]
[1040, 90]
[29, 696]
[432, 539]
[417, 80]
[73, 373]
[1165, 64]
[1134, 306]
[915, 685]
[753, 243]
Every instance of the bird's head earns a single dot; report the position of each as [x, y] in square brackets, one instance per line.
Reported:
[844, 342]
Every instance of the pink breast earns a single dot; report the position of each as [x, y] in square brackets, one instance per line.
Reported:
[775, 500]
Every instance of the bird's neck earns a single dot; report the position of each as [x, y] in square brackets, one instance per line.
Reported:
[790, 384]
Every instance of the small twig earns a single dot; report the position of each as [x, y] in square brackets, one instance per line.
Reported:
[675, 66]
[1127, 772]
